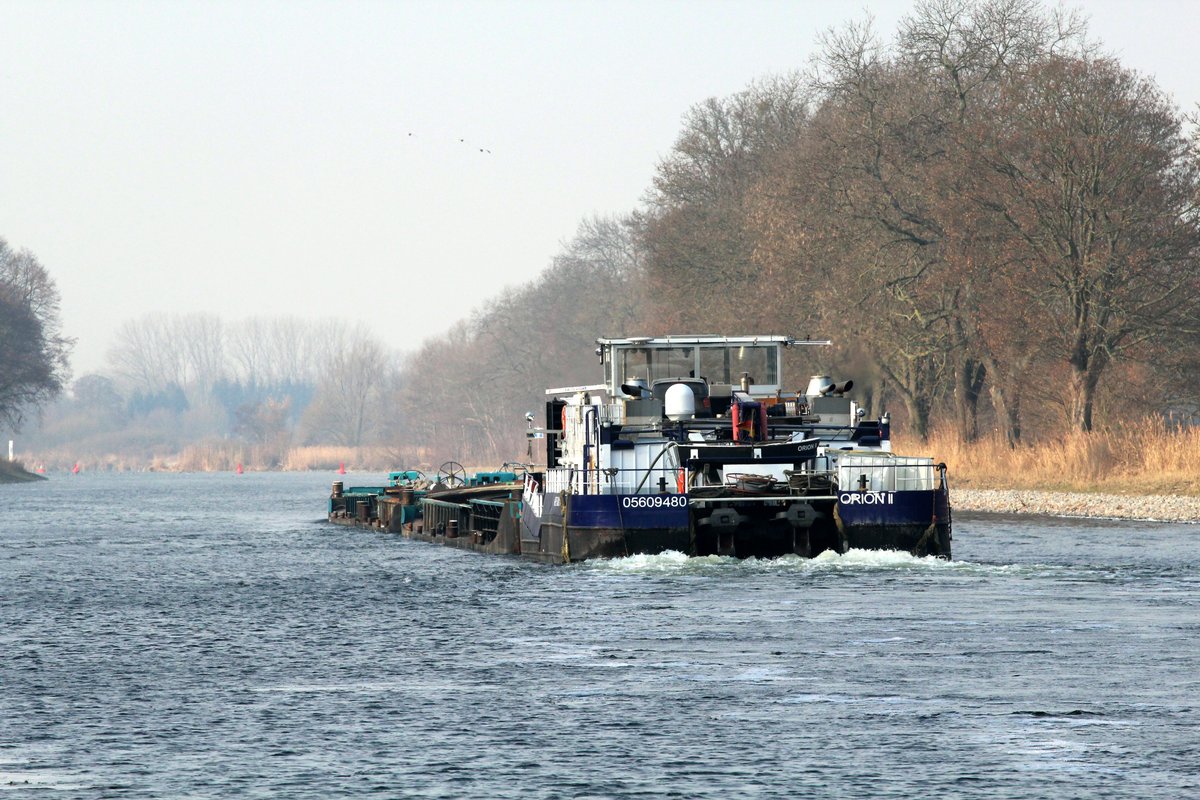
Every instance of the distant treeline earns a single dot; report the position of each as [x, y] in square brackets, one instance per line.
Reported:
[995, 221]
[269, 383]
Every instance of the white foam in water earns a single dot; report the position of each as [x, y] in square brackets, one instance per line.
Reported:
[675, 562]
[323, 688]
[758, 675]
[878, 559]
[669, 562]
[822, 698]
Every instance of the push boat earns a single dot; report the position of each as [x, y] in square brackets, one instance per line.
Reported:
[690, 444]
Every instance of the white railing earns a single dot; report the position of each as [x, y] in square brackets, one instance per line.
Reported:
[613, 413]
[639, 481]
[886, 473]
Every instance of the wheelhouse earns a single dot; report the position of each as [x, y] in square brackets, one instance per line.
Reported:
[751, 361]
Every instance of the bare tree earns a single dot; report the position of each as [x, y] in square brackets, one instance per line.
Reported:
[202, 338]
[33, 352]
[696, 237]
[1090, 171]
[148, 353]
[489, 370]
[348, 406]
[245, 348]
[883, 189]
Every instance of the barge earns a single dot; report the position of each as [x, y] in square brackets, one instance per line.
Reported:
[690, 444]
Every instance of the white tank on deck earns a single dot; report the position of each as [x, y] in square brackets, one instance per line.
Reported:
[679, 403]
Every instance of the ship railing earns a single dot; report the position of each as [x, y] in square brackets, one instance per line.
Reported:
[611, 413]
[605, 413]
[633, 480]
[887, 473]
[559, 479]
[744, 499]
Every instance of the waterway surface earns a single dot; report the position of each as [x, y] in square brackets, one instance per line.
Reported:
[203, 636]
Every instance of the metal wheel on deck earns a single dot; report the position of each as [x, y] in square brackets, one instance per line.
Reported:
[452, 474]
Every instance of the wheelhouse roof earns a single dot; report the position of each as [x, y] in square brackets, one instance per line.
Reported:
[703, 339]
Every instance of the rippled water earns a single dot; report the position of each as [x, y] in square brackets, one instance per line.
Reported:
[204, 636]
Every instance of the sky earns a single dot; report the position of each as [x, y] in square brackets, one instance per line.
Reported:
[394, 163]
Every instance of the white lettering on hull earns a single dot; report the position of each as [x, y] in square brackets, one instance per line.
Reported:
[655, 501]
[867, 498]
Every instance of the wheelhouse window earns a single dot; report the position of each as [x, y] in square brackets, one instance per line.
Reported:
[675, 362]
[726, 364]
[655, 363]
[713, 361]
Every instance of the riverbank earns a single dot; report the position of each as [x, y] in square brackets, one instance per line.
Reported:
[1145, 458]
[1161, 493]
[13, 472]
[1166, 508]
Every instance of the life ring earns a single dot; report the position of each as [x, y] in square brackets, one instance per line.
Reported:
[564, 418]
[682, 483]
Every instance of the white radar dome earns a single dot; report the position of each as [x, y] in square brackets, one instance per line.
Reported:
[679, 402]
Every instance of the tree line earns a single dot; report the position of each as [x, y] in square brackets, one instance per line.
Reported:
[995, 221]
[269, 382]
[986, 206]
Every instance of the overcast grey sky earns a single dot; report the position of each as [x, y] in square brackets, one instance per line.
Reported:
[324, 158]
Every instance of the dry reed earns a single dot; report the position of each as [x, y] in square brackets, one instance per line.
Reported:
[223, 455]
[327, 457]
[1149, 456]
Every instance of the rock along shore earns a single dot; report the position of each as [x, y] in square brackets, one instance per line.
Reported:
[1167, 508]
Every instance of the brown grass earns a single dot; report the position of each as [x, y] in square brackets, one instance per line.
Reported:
[63, 460]
[326, 457]
[1143, 457]
[223, 455]
[227, 455]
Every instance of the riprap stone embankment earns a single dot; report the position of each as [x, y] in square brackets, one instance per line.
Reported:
[1168, 508]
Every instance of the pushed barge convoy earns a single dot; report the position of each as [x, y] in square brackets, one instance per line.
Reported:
[690, 444]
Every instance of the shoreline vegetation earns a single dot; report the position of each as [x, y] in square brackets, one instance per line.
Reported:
[15, 472]
[895, 204]
[1146, 470]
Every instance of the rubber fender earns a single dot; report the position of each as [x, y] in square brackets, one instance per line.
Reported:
[798, 515]
[723, 520]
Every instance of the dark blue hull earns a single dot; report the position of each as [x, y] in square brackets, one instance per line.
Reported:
[915, 521]
[560, 528]
[604, 526]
